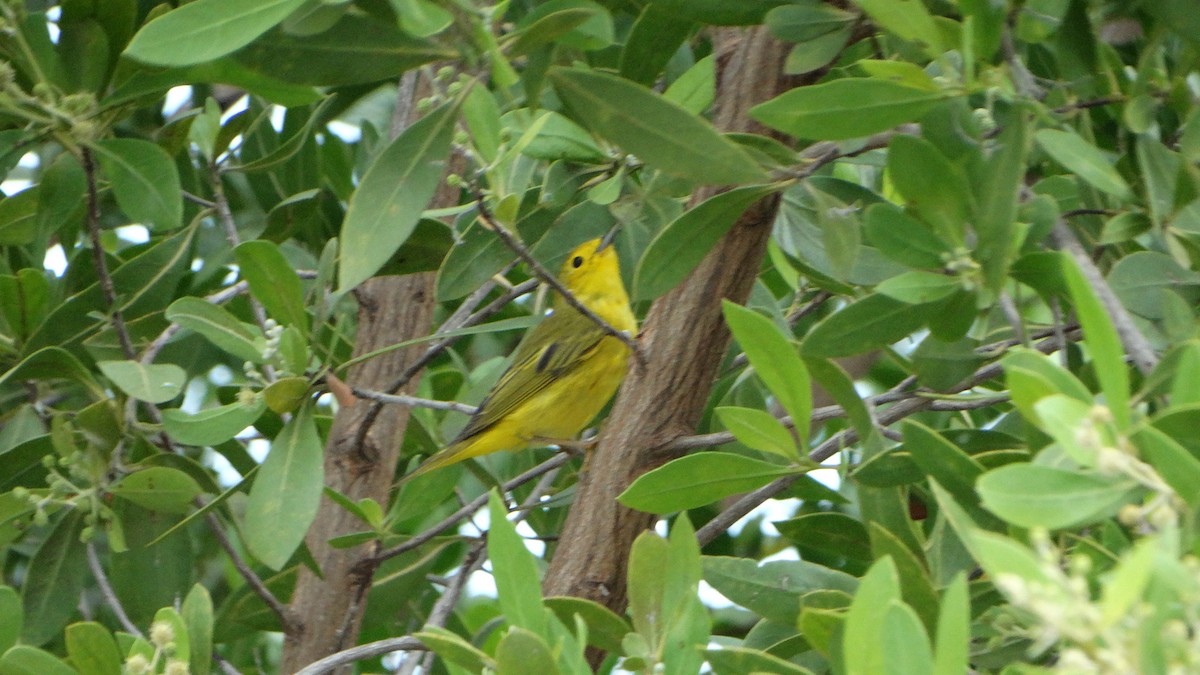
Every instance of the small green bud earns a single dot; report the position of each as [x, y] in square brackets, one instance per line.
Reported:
[162, 633]
[176, 667]
[137, 665]
[40, 518]
[454, 88]
[87, 534]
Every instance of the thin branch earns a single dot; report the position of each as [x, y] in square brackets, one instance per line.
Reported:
[440, 613]
[847, 437]
[1009, 307]
[225, 216]
[1135, 343]
[414, 401]
[471, 507]
[197, 199]
[818, 155]
[361, 653]
[282, 611]
[436, 349]
[98, 259]
[549, 279]
[225, 666]
[106, 590]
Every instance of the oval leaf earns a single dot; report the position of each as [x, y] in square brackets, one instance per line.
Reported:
[286, 493]
[684, 242]
[212, 426]
[700, 479]
[205, 30]
[159, 489]
[1084, 160]
[218, 326]
[1031, 495]
[869, 323]
[153, 383]
[395, 190]
[144, 180]
[846, 108]
[660, 132]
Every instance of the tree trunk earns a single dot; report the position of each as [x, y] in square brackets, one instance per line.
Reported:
[683, 339]
[392, 309]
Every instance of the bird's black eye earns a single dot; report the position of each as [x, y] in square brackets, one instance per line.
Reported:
[577, 261]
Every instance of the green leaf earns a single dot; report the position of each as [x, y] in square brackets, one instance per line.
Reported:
[54, 581]
[907, 19]
[846, 108]
[170, 617]
[604, 627]
[1084, 160]
[731, 660]
[454, 649]
[60, 194]
[548, 26]
[158, 489]
[1139, 279]
[952, 649]
[653, 39]
[560, 138]
[515, 569]
[355, 50]
[931, 184]
[213, 425]
[916, 587]
[774, 589]
[92, 649]
[870, 323]
[1030, 495]
[758, 429]
[1178, 467]
[284, 498]
[11, 617]
[776, 362]
[286, 394]
[273, 281]
[27, 660]
[864, 651]
[696, 480]
[660, 132]
[218, 326]
[830, 532]
[904, 238]
[807, 21]
[388, 202]
[904, 638]
[153, 383]
[695, 89]
[939, 458]
[1102, 342]
[52, 363]
[144, 181]
[994, 220]
[719, 12]
[521, 651]
[919, 287]
[1127, 582]
[682, 244]
[205, 30]
[197, 614]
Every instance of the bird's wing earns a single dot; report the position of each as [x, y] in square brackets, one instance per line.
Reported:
[556, 346]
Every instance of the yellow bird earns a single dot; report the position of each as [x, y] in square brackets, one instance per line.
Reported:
[562, 373]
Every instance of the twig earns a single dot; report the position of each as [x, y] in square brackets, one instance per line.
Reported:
[846, 437]
[197, 199]
[225, 666]
[360, 653]
[106, 590]
[818, 155]
[102, 274]
[471, 507]
[549, 279]
[413, 401]
[1135, 343]
[1009, 307]
[225, 216]
[445, 604]
[286, 620]
[437, 348]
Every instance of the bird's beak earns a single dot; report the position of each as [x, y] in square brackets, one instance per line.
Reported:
[608, 238]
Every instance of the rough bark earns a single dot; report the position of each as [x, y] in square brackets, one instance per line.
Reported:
[391, 309]
[683, 339]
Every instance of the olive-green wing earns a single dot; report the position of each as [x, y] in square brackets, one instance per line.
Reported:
[556, 346]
